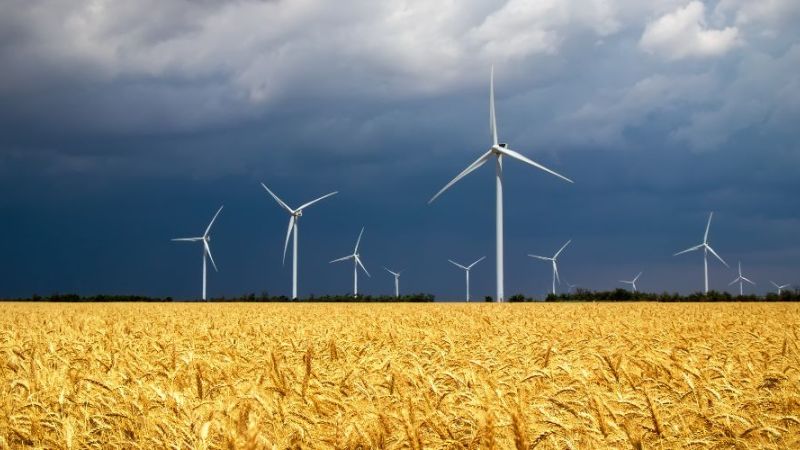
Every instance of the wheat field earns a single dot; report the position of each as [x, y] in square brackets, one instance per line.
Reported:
[399, 376]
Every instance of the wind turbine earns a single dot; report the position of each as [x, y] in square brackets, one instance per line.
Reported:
[780, 287]
[555, 265]
[570, 286]
[706, 248]
[497, 150]
[396, 281]
[206, 238]
[466, 270]
[356, 263]
[294, 217]
[741, 278]
[632, 282]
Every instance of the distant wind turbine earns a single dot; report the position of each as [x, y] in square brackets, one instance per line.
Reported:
[570, 286]
[553, 259]
[466, 270]
[206, 238]
[740, 279]
[396, 281]
[497, 150]
[780, 287]
[632, 282]
[706, 248]
[356, 263]
[293, 219]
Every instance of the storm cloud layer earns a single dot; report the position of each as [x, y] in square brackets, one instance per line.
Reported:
[123, 124]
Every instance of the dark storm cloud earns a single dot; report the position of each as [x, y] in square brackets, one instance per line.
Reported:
[122, 124]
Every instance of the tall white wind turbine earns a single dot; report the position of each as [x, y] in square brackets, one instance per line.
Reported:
[780, 287]
[497, 150]
[294, 218]
[206, 238]
[741, 278]
[467, 269]
[396, 281]
[555, 264]
[632, 282]
[706, 248]
[356, 263]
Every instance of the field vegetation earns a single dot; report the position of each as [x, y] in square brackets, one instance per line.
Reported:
[547, 375]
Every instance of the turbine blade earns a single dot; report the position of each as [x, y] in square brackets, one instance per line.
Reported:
[690, 249]
[715, 254]
[280, 202]
[734, 281]
[561, 249]
[192, 239]
[520, 157]
[393, 273]
[212, 221]
[343, 258]
[637, 277]
[544, 258]
[208, 251]
[457, 264]
[775, 284]
[555, 270]
[479, 162]
[306, 205]
[492, 116]
[748, 280]
[358, 241]
[358, 261]
[708, 226]
[292, 221]
[476, 262]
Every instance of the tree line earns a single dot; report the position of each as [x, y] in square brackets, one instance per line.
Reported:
[264, 297]
[621, 295]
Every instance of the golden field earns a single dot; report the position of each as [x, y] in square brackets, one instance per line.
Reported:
[582, 376]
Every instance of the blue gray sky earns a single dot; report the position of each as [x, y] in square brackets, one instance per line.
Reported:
[125, 124]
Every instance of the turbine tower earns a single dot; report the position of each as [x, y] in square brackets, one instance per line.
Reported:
[206, 238]
[396, 281]
[632, 282]
[706, 248]
[740, 279]
[555, 265]
[294, 217]
[497, 151]
[356, 263]
[780, 287]
[466, 270]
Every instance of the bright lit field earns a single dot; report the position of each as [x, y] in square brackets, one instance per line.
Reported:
[400, 375]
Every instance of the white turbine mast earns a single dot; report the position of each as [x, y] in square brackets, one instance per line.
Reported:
[780, 287]
[294, 218]
[740, 279]
[497, 151]
[356, 257]
[633, 281]
[706, 248]
[553, 260]
[467, 269]
[396, 281]
[206, 239]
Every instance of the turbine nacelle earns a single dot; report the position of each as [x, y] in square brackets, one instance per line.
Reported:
[496, 149]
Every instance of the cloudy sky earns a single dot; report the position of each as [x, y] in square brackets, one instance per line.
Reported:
[125, 124]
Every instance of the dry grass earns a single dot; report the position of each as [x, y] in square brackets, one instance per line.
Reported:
[400, 376]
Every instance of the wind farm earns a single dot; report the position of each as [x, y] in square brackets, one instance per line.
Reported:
[553, 299]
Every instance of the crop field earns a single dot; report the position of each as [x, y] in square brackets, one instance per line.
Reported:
[641, 375]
